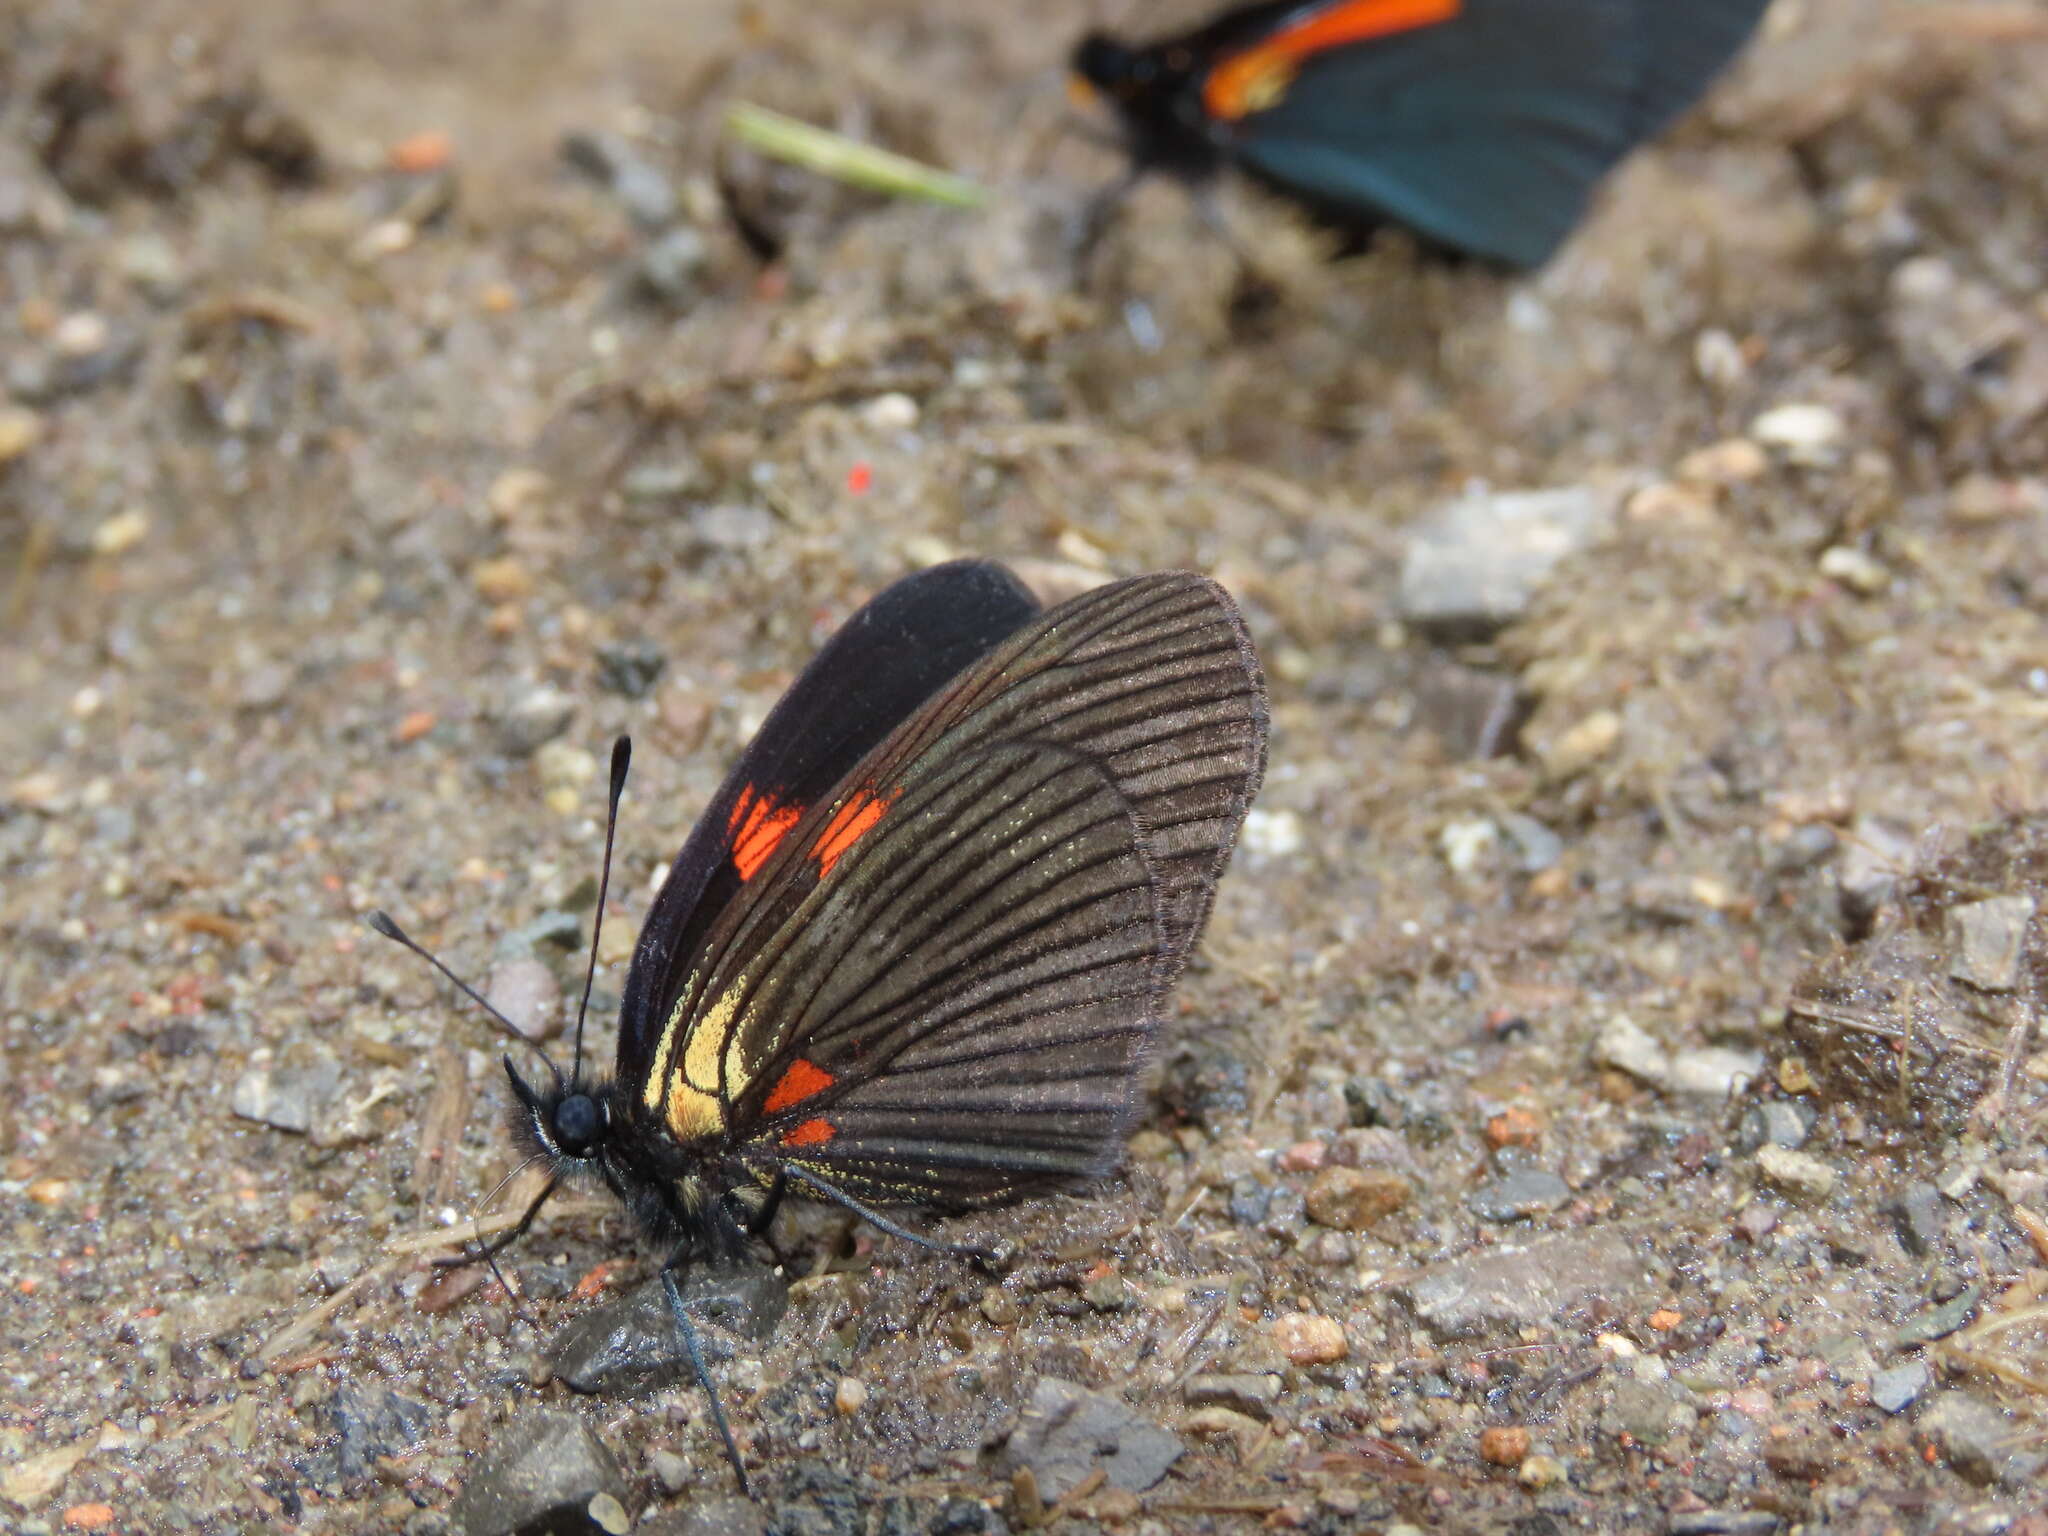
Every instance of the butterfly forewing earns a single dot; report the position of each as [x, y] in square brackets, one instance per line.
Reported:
[884, 662]
[940, 983]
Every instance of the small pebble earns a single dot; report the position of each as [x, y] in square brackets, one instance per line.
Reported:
[1307, 1338]
[1718, 358]
[670, 1470]
[1798, 1174]
[20, 430]
[1521, 1194]
[526, 992]
[80, 335]
[1985, 939]
[1304, 1157]
[503, 580]
[121, 532]
[1465, 844]
[1352, 1199]
[1855, 569]
[1539, 1472]
[893, 412]
[850, 1396]
[1272, 834]
[1253, 1394]
[1895, 1390]
[563, 765]
[1732, 461]
[609, 1515]
[1714, 1072]
[1805, 432]
[1000, 1307]
[1504, 1445]
[1582, 745]
[1627, 1047]
[535, 718]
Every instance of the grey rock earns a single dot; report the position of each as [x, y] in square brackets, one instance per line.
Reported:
[1253, 1394]
[1980, 1442]
[1473, 565]
[1642, 1409]
[1917, 1213]
[1962, 339]
[630, 669]
[630, 1345]
[533, 720]
[526, 992]
[1066, 1431]
[281, 1100]
[1810, 844]
[663, 479]
[266, 685]
[43, 377]
[1895, 1390]
[1537, 848]
[1373, 1101]
[1714, 1072]
[1250, 1199]
[1773, 1123]
[1937, 1322]
[1526, 1286]
[1527, 1192]
[370, 1421]
[564, 930]
[148, 261]
[1986, 937]
[538, 1478]
[611, 160]
[673, 265]
[1877, 855]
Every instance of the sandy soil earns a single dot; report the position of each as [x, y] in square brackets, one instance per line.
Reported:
[1609, 1098]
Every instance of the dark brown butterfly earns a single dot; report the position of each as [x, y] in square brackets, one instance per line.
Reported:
[916, 950]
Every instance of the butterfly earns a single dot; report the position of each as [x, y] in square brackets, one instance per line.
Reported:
[1481, 125]
[917, 948]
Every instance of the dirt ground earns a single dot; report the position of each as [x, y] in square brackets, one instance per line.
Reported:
[1608, 1099]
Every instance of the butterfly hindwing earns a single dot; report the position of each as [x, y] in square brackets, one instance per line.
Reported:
[886, 660]
[941, 983]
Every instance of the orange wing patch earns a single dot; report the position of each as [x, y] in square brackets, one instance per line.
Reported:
[849, 824]
[757, 824]
[800, 1082]
[1256, 79]
[812, 1133]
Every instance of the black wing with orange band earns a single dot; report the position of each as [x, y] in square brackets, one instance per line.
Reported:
[890, 657]
[940, 982]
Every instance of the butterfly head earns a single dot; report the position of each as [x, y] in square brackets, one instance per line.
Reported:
[570, 1122]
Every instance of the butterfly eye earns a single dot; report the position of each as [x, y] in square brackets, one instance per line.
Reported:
[577, 1125]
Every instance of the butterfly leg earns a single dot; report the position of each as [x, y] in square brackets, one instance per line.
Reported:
[681, 1311]
[827, 1191]
[487, 1253]
[761, 1220]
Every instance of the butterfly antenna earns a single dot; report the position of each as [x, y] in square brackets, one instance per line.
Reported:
[381, 921]
[622, 757]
